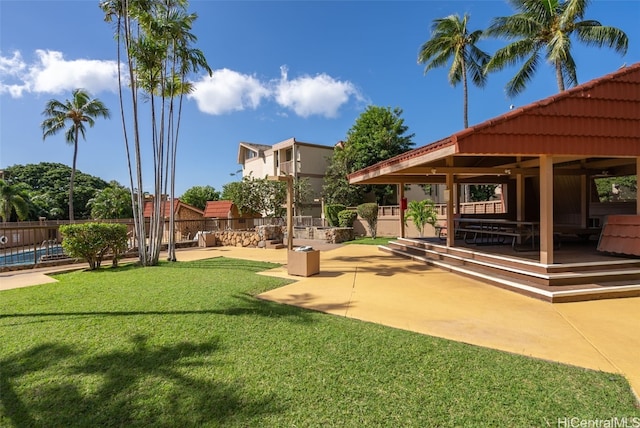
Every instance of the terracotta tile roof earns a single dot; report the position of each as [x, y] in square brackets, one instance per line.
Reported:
[621, 235]
[218, 209]
[597, 118]
[166, 208]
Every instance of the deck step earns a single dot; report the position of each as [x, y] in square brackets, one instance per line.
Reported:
[585, 289]
[524, 272]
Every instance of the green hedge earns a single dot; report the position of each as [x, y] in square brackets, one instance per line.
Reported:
[92, 241]
[331, 213]
[346, 218]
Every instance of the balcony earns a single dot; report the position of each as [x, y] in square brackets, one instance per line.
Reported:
[287, 167]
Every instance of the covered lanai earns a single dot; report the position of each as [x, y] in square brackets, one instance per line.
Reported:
[545, 155]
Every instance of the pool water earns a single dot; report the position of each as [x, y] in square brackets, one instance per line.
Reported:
[27, 257]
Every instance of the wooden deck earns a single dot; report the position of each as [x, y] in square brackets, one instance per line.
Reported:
[579, 273]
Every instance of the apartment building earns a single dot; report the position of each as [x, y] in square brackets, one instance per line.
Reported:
[289, 157]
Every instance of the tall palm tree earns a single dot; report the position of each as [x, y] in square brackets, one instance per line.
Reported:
[155, 36]
[545, 27]
[450, 39]
[79, 110]
[13, 198]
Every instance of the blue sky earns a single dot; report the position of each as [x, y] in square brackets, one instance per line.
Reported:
[286, 69]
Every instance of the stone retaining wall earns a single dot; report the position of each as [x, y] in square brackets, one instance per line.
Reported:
[262, 234]
[246, 238]
[330, 235]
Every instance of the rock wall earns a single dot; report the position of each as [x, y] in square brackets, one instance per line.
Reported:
[247, 238]
[331, 235]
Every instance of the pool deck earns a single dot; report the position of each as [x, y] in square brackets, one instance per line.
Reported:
[361, 282]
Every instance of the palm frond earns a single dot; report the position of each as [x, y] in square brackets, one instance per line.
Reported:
[513, 27]
[569, 72]
[600, 35]
[574, 10]
[523, 76]
[511, 54]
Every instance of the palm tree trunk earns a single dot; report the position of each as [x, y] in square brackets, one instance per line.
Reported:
[73, 174]
[559, 77]
[465, 102]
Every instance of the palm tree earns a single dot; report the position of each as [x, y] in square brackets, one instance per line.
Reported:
[156, 38]
[421, 213]
[450, 39]
[545, 27]
[13, 198]
[80, 109]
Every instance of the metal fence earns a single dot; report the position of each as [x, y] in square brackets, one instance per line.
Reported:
[24, 244]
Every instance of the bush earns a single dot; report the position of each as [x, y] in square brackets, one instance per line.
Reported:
[346, 218]
[91, 241]
[331, 213]
[421, 213]
[369, 212]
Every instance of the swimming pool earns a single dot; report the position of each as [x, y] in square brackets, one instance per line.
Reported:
[27, 257]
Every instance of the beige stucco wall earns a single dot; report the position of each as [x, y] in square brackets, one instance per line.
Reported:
[307, 161]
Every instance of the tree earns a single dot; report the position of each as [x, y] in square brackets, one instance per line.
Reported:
[421, 213]
[48, 189]
[617, 188]
[336, 188]
[156, 38]
[369, 212]
[482, 192]
[546, 28]
[379, 133]
[77, 111]
[302, 193]
[111, 202]
[13, 199]
[257, 195]
[451, 40]
[198, 196]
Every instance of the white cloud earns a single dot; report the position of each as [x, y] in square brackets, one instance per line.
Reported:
[226, 91]
[52, 74]
[319, 95]
[12, 67]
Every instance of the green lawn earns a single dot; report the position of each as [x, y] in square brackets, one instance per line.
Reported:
[187, 345]
[367, 240]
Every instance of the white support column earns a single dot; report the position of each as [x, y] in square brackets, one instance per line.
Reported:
[546, 209]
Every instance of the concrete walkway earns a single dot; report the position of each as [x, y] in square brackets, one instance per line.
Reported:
[361, 282]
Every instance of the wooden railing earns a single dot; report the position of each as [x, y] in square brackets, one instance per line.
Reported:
[485, 207]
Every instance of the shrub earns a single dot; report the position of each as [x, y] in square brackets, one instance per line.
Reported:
[91, 241]
[331, 213]
[346, 218]
[421, 213]
[369, 212]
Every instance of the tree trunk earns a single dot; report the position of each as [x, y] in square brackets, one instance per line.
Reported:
[465, 102]
[559, 77]
[73, 174]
